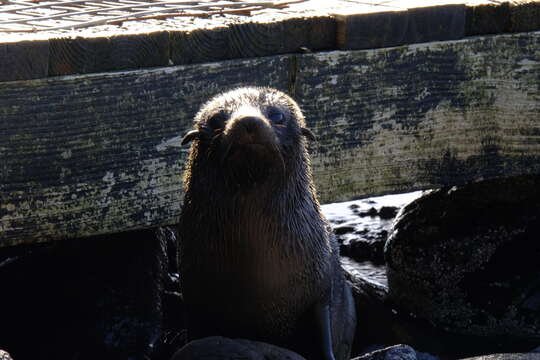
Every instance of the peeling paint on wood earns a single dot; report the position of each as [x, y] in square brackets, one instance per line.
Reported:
[85, 155]
[81, 155]
[422, 116]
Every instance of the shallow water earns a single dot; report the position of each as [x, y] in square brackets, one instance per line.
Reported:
[368, 271]
[352, 214]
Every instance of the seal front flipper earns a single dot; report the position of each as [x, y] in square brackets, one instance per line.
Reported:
[322, 316]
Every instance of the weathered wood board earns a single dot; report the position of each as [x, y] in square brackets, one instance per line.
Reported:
[422, 116]
[81, 155]
[313, 25]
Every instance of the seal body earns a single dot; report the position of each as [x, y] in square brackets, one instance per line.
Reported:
[257, 258]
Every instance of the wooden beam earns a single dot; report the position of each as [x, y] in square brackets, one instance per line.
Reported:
[331, 25]
[393, 28]
[91, 55]
[24, 60]
[245, 40]
[83, 155]
[422, 116]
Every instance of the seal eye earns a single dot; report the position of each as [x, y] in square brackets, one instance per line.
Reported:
[217, 121]
[276, 116]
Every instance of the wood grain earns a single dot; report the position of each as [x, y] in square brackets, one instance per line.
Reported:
[199, 46]
[82, 156]
[488, 19]
[186, 40]
[24, 60]
[525, 16]
[90, 55]
[422, 116]
[393, 28]
[246, 40]
[370, 31]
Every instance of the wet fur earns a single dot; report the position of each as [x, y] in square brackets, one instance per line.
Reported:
[256, 253]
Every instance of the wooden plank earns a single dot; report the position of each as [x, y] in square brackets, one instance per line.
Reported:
[81, 154]
[503, 17]
[90, 55]
[370, 31]
[422, 116]
[436, 23]
[24, 60]
[488, 19]
[339, 24]
[393, 28]
[525, 16]
[199, 46]
[253, 39]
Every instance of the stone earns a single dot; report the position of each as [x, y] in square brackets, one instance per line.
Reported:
[221, 348]
[466, 259]
[87, 298]
[396, 352]
[518, 356]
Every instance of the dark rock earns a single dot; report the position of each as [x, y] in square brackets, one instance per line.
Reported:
[369, 245]
[124, 292]
[396, 352]
[364, 231]
[381, 322]
[360, 250]
[344, 229]
[425, 356]
[388, 212]
[371, 212]
[385, 212]
[88, 298]
[220, 348]
[174, 327]
[506, 357]
[466, 259]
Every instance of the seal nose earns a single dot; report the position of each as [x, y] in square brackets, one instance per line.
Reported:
[250, 124]
[249, 129]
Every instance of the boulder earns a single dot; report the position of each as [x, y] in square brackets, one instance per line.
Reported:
[221, 348]
[88, 298]
[466, 259]
[396, 352]
[531, 356]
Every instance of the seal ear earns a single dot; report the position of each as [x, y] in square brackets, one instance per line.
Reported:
[307, 133]
[190, 136]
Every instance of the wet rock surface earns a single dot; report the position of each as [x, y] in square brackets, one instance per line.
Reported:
[466, 259]
[221, 348]
[396, 352]
[90, 298]
[530, 356]
[118, 296]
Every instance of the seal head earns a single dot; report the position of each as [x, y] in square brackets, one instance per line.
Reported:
[249, 134]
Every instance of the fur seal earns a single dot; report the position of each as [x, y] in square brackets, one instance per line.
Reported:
[257, 258]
